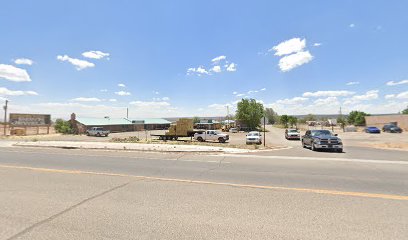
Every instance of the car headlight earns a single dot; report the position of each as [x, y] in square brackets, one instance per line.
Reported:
[317, 141]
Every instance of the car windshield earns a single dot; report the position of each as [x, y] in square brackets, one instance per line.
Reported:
[321, 132]
[253, 134]
[293, 131]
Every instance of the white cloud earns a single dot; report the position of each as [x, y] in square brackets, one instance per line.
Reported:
[7, 92]
[403, 95]
[392, 83]
[123, 93]
[287, 63]
[103, 90]
[326, 101]
[85, 99]
[290, 101]
[150, 104]
[352, 83]
[252, 91]
[235, 93]
[240, 95]
[317, 44]
[161, 99]
[263, 89]
[24, 61]
[14, 74]
[218, 106]
[352, 25]
[156, 92]
[199, 71]
[121, 85]
[218, 59]
[216, 69]
[328, 94]
[293, 45]
[232, 67]
[95, 54]
[369, 95]
[78, 63]
[112, 100]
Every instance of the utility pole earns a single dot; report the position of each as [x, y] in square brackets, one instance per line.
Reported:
[264, 122]
[127, 113]
[5, 117]
[228, 118]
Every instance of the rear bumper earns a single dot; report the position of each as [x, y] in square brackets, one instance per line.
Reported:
[292, 137]
[253, 141]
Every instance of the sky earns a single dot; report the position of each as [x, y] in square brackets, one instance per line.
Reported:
[199, 58]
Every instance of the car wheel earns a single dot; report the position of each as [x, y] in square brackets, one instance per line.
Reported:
[340, 150]
[221, 140]
[313, 147]
[303, 144]
[200, 139]
[98, 134]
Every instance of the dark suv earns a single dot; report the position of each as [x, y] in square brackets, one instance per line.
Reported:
[391, 128]
[322, 139]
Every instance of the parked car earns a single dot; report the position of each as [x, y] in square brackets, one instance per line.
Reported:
[254, 138]
[292, 134]
[211, 135]
[233, 130]
[372, 130]
[322, 139]
[391, 128]
[97, 131]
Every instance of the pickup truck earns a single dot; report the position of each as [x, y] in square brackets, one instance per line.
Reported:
[211, 135]
[97, 131]
[322, 139]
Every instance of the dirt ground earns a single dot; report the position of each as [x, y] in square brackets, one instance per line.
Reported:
[274, 139]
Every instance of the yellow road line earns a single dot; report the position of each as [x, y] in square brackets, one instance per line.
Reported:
[307, 190]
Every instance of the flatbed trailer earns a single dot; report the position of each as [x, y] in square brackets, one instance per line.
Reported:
[190, 134]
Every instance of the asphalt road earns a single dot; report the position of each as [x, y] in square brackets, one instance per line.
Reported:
[287, 194]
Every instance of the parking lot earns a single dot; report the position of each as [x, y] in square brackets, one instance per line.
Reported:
[274, 138]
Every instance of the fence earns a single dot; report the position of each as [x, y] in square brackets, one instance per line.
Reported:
[26, 130]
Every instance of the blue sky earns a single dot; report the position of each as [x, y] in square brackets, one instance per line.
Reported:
[188, 58]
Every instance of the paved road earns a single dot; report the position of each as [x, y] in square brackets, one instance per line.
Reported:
[73, 194]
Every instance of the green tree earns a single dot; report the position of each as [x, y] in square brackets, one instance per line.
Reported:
[342, 122]
[271, 115]
[405, 111]
[292, 121]
[284, 120]
[357, 118]
[196, 119]
[250, 113]
[63, 127]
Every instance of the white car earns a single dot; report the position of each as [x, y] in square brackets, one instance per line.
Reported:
[254, 138]
[292, 134]
[211, 135]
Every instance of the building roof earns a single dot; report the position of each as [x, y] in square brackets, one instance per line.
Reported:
[103, 121]
[153, 121]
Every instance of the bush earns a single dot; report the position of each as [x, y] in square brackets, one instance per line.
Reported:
[63, 127]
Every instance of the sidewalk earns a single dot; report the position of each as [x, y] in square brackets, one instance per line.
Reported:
[123, 146]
